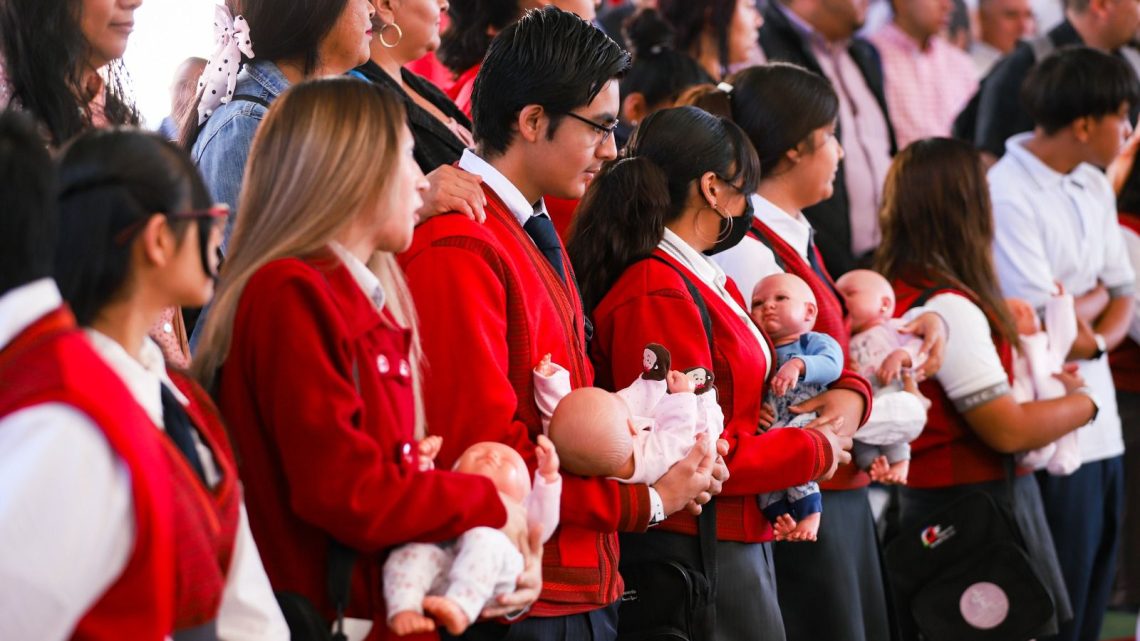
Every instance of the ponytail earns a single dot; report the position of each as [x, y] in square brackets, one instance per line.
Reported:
[621, 220]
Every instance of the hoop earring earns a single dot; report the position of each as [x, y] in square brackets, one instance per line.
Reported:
[399, 35]
[721, 215]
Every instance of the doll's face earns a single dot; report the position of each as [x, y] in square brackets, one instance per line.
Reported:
[699, 377]
[500, 463]
[648, 359]
[784, 307]
[868, 297]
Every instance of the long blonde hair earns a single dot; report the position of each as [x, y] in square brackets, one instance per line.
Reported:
[326, 151]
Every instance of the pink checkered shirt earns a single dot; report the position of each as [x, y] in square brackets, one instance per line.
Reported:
[926, 88]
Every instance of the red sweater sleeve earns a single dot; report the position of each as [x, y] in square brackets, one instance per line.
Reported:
[337, 476]
[459, 289]
[757, 463]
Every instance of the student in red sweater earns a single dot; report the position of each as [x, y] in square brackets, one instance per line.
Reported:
[642, 238]
[314, 354]
[938, 230]
[138, 236]
[495, 298]
[88, 517]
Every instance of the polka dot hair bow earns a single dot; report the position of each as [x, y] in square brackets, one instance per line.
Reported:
[216, 86]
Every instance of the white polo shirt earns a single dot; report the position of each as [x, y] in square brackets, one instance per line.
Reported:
[1053, 227]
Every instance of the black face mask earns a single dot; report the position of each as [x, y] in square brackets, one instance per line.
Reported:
[205, 227]
[733, 229]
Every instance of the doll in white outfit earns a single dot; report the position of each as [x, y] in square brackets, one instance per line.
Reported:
[885, 356]
[598, 433]
[449, 584]
[1040, 355]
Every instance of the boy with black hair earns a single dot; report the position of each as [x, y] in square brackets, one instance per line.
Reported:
[495, 298]
[87, 528]
[1055, 222]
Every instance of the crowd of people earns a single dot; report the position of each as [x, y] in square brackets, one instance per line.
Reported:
[564, 319]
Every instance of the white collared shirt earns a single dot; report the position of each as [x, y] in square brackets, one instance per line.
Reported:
[503, 188]
[367, 280]
[1062, 227]
[66, 517]
[713, 276]
[750, 260]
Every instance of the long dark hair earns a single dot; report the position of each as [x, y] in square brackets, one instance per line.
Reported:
[466, 39]
[938, 224]
[46, 58]
[28, 225]
[778, 105]
[690, 18]
[111, 182]
[623, 215]
[659, 72]
[280, 30]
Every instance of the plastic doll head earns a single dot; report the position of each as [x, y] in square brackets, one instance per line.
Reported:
[702, 378]
[500, 463]
[1024, 317]
[592, 431]
[655, 362]
[784, 307]
[868, 297]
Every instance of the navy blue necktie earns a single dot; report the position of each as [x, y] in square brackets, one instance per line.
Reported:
[541, 230]
[179, 429]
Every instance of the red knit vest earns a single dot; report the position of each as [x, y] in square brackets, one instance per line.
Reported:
[1125, 359]
[52, 362]
[948, 452]
[206, 520]
[830, 319]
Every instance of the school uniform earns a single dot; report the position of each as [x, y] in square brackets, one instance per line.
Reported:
[651, 303]
[491, 305]
[317, 392]
[841, 573]
[86, 504]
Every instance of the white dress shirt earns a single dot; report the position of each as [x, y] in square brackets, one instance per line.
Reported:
[1062, 227]
[59, 562]
[750, 261]
[503, 187]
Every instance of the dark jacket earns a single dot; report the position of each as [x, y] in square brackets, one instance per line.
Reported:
[781, 42]
[435, 144]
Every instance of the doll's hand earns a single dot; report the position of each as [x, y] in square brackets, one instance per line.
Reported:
[1070, 378]
[892, 365]
[767, 415]
[545, 367]
[452, 189]
[787, 377]
[932, 330]
[426, 451]
[678, 382]
[529, 584]
[547, 459]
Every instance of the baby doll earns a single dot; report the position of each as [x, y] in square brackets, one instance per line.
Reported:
[1040, 355]
[597, 434]
[885, 356]
[452, 582]
[784, 307]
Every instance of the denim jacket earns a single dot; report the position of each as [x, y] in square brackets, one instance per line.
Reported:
[224, 142]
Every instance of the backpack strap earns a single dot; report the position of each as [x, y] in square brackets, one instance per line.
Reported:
[771, 247]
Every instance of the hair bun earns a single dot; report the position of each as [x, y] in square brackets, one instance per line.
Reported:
[647, 33]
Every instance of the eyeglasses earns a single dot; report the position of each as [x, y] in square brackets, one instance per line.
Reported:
[215, 212]
[604, 132]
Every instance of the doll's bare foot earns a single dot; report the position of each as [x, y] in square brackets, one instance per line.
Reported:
[784, 526]
[447, 613]
[806, 529]
[879, 470]
[408, 622]
[898, 472]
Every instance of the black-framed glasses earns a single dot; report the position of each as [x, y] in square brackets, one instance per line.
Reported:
[212, 213]
[604, 131]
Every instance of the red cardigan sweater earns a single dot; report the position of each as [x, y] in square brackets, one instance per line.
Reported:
[51, 362]
[650, 303]
[832, 320]
[1125, 359]
[317, 394]
[490, 308]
